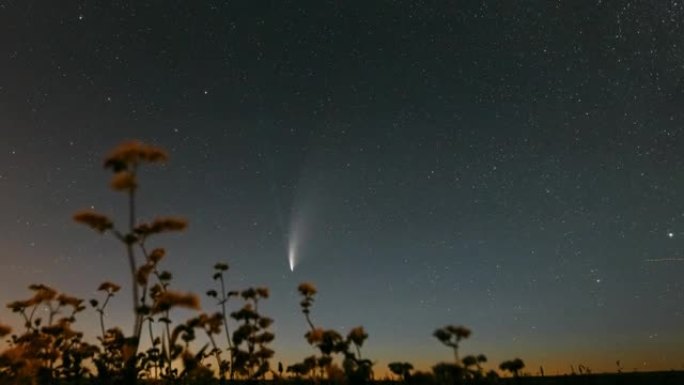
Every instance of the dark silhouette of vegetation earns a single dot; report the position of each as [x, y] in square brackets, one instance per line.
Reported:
[401, 369]
[48, 349]
[329, 342]
[451, 336]
[147, 300]
[250, 352]
[513, 366]
[222, 297]
[468, 370]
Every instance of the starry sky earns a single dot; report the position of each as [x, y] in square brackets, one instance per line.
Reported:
[515, 167]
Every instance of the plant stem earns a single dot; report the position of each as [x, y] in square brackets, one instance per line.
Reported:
[156, 363]
[131, 262]
[224, 302]
[131, 372]
[308, 320]
[217, 354]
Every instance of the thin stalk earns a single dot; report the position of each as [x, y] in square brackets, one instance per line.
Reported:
[138, 331]
[156, 363]
[224, 302]
[168, 339]
[166, 315]
[131, 261]
[131, 371]
[217, 354]
[101, 311]
[308, 320]
[223, 311]
[30, 318]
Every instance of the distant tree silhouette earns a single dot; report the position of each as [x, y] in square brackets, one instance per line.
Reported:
[473, 365]
[481, 359]
[470, 365]
[469, 361]
[513, 366]
[401, 369]
[451, 336]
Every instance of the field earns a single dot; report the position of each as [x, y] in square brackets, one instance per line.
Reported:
[48, 350]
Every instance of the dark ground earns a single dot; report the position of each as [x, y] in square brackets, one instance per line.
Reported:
[632, 378]
[635, 378]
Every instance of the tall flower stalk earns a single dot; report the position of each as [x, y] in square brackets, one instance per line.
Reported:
[124, 161]
[222, 300]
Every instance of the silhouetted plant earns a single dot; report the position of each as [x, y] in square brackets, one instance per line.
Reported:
[451, 336]
[356, 368]
[110, 360]
[124, 161]
[222, 301]
[4, 330]
[421, 378]
[401, 369]
[330, 342]
[583, 369]
[304, 368]
[49, 350]
[7, 369]
[193, 371]
[307, 290]
[470, 365]
[513, 366]
[492, 377]
[480, 359]
[250, 352]
[473, 366]
[447, 373]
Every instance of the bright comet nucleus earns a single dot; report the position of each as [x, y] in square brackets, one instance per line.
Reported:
[298, 234]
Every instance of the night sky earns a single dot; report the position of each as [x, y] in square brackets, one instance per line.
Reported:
[515, 167]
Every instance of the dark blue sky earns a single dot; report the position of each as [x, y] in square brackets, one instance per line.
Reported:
[514, 168]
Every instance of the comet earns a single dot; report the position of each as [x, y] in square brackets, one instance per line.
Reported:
[293, 246]
[299, 233]
[292, 254]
